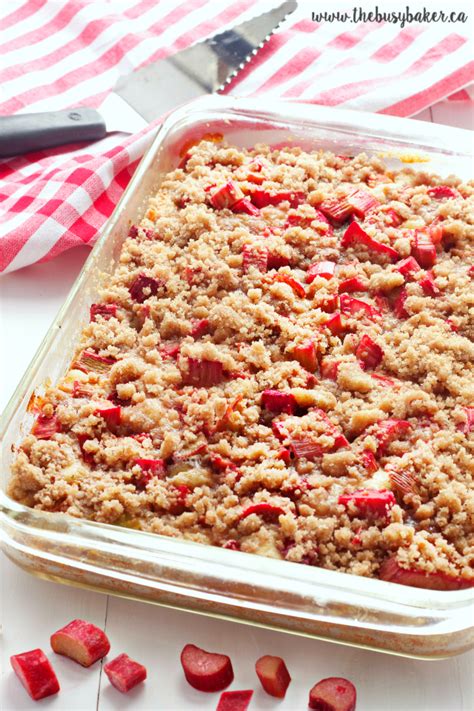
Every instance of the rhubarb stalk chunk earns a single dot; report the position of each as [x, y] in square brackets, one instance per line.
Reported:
[35, 673]
[392, 572]
[235, 700]
[206, 671]
[333, 694]
[124, 673]
[273, 675]
[81, 641]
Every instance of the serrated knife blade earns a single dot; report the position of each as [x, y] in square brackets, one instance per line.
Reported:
[203, 68]
[149, 92]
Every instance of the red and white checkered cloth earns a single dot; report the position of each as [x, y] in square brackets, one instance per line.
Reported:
[58, 54]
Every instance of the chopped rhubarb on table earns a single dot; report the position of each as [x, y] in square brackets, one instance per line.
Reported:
[276, 401]
[35, 672]
[369, 501]
[254, 257]
[89, 361]
[143, 287]
[206, 671]
[399, 304]
[45, 427]
[351, 306]
[386, 431]
[353, 284]
[105, 310]
[356, 235]
[111, 415]
[296, 285]
[204, 373]
[267, 511]
[368, 461]
[335, 325]
[226, 196]
[368, 352]
[235, 700]
[443, 191]
[408, 266]
[467, 426]
[392, 572]
[124, 673]
[306, 355]
[200, 327]
[333, 694]
[81, 641]
[245, 206]
[423, 249]
[273, 675]
[320, 269]
[428, 285]
[403, 481]
[262, 198]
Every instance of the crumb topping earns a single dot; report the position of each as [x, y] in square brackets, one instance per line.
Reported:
[281, 363]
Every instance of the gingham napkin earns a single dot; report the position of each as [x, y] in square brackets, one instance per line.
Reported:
[58, 54]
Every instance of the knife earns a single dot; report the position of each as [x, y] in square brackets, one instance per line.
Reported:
[148, 92]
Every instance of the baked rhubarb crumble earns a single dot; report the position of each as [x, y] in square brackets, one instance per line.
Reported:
[280, 364]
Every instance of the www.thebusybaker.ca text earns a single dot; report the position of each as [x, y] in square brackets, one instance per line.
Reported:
[399, 17]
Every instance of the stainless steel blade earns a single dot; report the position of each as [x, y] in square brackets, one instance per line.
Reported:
[200, 69]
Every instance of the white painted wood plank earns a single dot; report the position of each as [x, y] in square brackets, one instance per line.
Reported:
[29, 300]
[32, 609]
[155, 637]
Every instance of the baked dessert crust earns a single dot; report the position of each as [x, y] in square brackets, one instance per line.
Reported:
[281, 363]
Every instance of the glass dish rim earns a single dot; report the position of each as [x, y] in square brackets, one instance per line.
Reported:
[453, 142]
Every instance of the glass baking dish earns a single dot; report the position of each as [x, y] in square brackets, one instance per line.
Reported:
[239, 586]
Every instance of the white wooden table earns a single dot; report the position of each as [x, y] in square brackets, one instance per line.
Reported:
[32, 609]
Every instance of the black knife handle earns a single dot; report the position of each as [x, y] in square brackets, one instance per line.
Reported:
[32, 132]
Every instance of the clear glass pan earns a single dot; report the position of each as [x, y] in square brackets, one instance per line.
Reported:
[239, 586]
